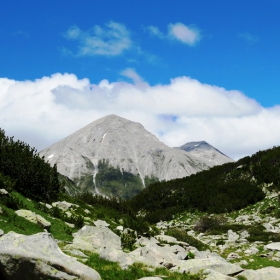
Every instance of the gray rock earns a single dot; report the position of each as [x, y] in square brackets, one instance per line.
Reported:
[101, 224]
[143, 241]
[34, 218]
[214, 275]
[70, 225]
[166, 238]
[275, 246]
[232, 236]
[232, 256]
[64, 205]
[1, 232]
[39, 257]
[244, 234]
[3, 192]
[119, 228]
[95, 239]
[266, 273]
[196, 265]
[251, 251]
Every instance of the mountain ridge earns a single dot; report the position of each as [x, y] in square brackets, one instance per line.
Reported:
[122, 146]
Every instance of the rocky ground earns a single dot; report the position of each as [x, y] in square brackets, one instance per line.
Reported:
[241, 247]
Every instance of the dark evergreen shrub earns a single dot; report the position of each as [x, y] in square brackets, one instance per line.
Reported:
[34, 177]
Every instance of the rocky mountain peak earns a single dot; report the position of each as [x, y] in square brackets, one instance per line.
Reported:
[115, 145]
[206, 151]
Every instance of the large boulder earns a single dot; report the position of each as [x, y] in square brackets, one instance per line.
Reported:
[266, 273]
[274, 246]
[39, 257]
[34, 218]
[196, 265]
[64, 205]
[214, 275]
[95, 239]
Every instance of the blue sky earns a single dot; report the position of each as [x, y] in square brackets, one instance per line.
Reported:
[231, 46]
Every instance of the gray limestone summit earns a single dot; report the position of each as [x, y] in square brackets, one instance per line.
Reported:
[204, 150]
[113, 155]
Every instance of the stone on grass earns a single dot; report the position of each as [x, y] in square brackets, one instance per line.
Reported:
[214, 275]
[96, 239]
[266, 273]
[1, 232]
[64, 205]
[70, 225]
[3, 192]
[251, 251]
[275, 246]
[166, 238]
[232, 256]
[101, 224]
[194, 266]
[232, 236]
[34, 218]
[38, 256]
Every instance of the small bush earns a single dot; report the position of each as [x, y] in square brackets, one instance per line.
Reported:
[205, 223]
[181, 235]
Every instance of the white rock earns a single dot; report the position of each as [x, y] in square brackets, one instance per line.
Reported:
[232, 256]
[70, 225]
[3, 192]
[196, 265]
[166, 238]
[232, 236]
[101, 224]
[214, 275]
[120, 228]
[267, 273]
[64, 205]
[251, 251]
[39, 257]
[34, 218]
[95, 239]
[275, 246]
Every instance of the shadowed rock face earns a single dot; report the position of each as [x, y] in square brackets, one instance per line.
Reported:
[125, 146]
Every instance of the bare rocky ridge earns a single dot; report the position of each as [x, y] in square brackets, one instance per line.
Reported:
[202, 149]
[126, 146]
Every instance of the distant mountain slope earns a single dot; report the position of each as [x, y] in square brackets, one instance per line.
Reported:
[224, 188]
[202, 149]
[113, 155]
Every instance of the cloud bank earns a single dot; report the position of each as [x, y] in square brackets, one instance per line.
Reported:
[46, 110]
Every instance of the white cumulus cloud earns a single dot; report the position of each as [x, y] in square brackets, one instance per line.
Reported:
[46, 110]
[189, 35]
[186, 34]
[111, 40]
